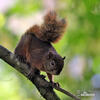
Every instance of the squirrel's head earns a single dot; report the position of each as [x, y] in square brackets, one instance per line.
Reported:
[53, 63]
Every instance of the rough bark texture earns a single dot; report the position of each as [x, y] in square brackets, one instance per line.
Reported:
[44, 87]
[41, 84]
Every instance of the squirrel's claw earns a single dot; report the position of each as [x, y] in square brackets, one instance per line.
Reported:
[55, 84]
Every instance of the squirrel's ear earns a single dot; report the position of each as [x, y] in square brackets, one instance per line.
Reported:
[50, 55]
[64, 58]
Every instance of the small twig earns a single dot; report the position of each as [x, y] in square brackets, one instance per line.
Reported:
[66, 92]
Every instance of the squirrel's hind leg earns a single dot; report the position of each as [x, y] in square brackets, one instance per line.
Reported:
[33, 72]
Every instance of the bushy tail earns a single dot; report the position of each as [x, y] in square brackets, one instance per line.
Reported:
[52, 29]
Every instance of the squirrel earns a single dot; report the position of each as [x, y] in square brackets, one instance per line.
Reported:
[36, 49]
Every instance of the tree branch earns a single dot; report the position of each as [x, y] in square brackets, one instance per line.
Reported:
[44, 87]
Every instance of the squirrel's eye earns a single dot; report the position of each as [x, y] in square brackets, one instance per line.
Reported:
[52, 63]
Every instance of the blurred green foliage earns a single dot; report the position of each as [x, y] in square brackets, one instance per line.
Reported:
[82, 38]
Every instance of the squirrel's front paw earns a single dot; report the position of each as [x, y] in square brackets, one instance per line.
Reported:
[55, 84]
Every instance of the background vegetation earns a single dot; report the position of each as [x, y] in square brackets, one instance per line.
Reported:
[80, 45]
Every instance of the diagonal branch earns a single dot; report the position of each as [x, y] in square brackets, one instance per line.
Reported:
[44, 87]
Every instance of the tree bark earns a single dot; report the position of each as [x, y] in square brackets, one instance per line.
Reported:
[41, 84]
[44, 87]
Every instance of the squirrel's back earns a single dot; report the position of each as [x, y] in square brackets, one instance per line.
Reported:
[36, 48]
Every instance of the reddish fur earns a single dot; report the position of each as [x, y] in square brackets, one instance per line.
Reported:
[51, 77]
[61, 35]
[51, 30]
[33, 48]
[35, 30]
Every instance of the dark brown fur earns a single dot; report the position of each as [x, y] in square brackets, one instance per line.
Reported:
[35, 47]
[51, 30]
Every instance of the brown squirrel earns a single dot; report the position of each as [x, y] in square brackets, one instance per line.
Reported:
[36, 49]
